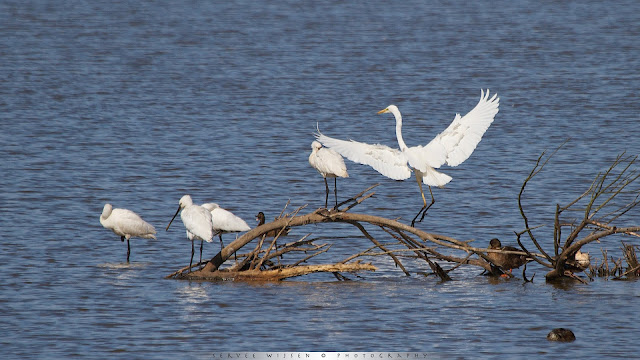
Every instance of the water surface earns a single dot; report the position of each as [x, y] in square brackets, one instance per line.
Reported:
[139, 103]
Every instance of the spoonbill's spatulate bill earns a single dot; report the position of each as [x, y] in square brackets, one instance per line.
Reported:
[224, 221]
[452, 146]
[126, 224]
[330, 165]
[197, 221]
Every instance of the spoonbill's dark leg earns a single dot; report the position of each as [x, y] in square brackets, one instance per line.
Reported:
[326, 197]
[128, 248]
[192, 252]
[335, 190]
[222, 246]
[201, 242]
[425, 207]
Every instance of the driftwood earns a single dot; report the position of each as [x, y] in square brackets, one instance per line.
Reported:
[409, 247]
[276, 274]
[612, 194]
[258, 264]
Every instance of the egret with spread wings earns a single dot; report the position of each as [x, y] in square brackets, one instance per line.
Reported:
[452, 146]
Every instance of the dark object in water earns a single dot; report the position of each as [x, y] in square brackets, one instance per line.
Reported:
[561, 334]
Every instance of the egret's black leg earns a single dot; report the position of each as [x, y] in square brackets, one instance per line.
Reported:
[201, 242]
[128, 250]
[433, 200]
[425, 207]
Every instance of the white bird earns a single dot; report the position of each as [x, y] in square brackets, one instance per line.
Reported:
[452, 146]
[127, 224]
[224, 221]
[329, 164]
[197, 221]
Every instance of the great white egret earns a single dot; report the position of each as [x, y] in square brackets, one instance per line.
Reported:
[224, 221]
[127, 224]
[197, 221]
[505, 261]
[452, 146]
[329, 164]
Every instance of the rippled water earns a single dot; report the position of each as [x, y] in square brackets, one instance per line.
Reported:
[139, 103]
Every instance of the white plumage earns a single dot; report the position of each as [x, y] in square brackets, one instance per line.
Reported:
[329, 164]
[197, 221]
[224, 221]
[452, 146]
[126, 224]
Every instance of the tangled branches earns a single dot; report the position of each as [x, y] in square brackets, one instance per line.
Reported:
[612, 194]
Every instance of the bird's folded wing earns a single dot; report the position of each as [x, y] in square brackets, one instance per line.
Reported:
[389, 162]
[131, 223]
[198, 221]
[225, 220]
[330, 162]
[463, 135]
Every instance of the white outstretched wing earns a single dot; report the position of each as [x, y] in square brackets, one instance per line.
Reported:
[389, 162]
[463, 135]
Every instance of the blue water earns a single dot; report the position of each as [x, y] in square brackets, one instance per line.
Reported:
[138, 103]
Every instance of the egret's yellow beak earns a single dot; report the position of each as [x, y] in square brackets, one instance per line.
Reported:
[383, 111]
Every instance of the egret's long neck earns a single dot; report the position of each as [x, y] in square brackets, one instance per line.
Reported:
[398, 117]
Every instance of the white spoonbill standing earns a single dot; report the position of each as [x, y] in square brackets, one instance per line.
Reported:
[127, 224]
[329, 164]
[197, 221]
[452, 146]
[224, 221]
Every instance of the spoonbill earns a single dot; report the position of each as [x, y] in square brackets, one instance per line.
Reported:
[452, 146]
[126, 224]
[329, 164]
[224, 221]
[197, 221]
